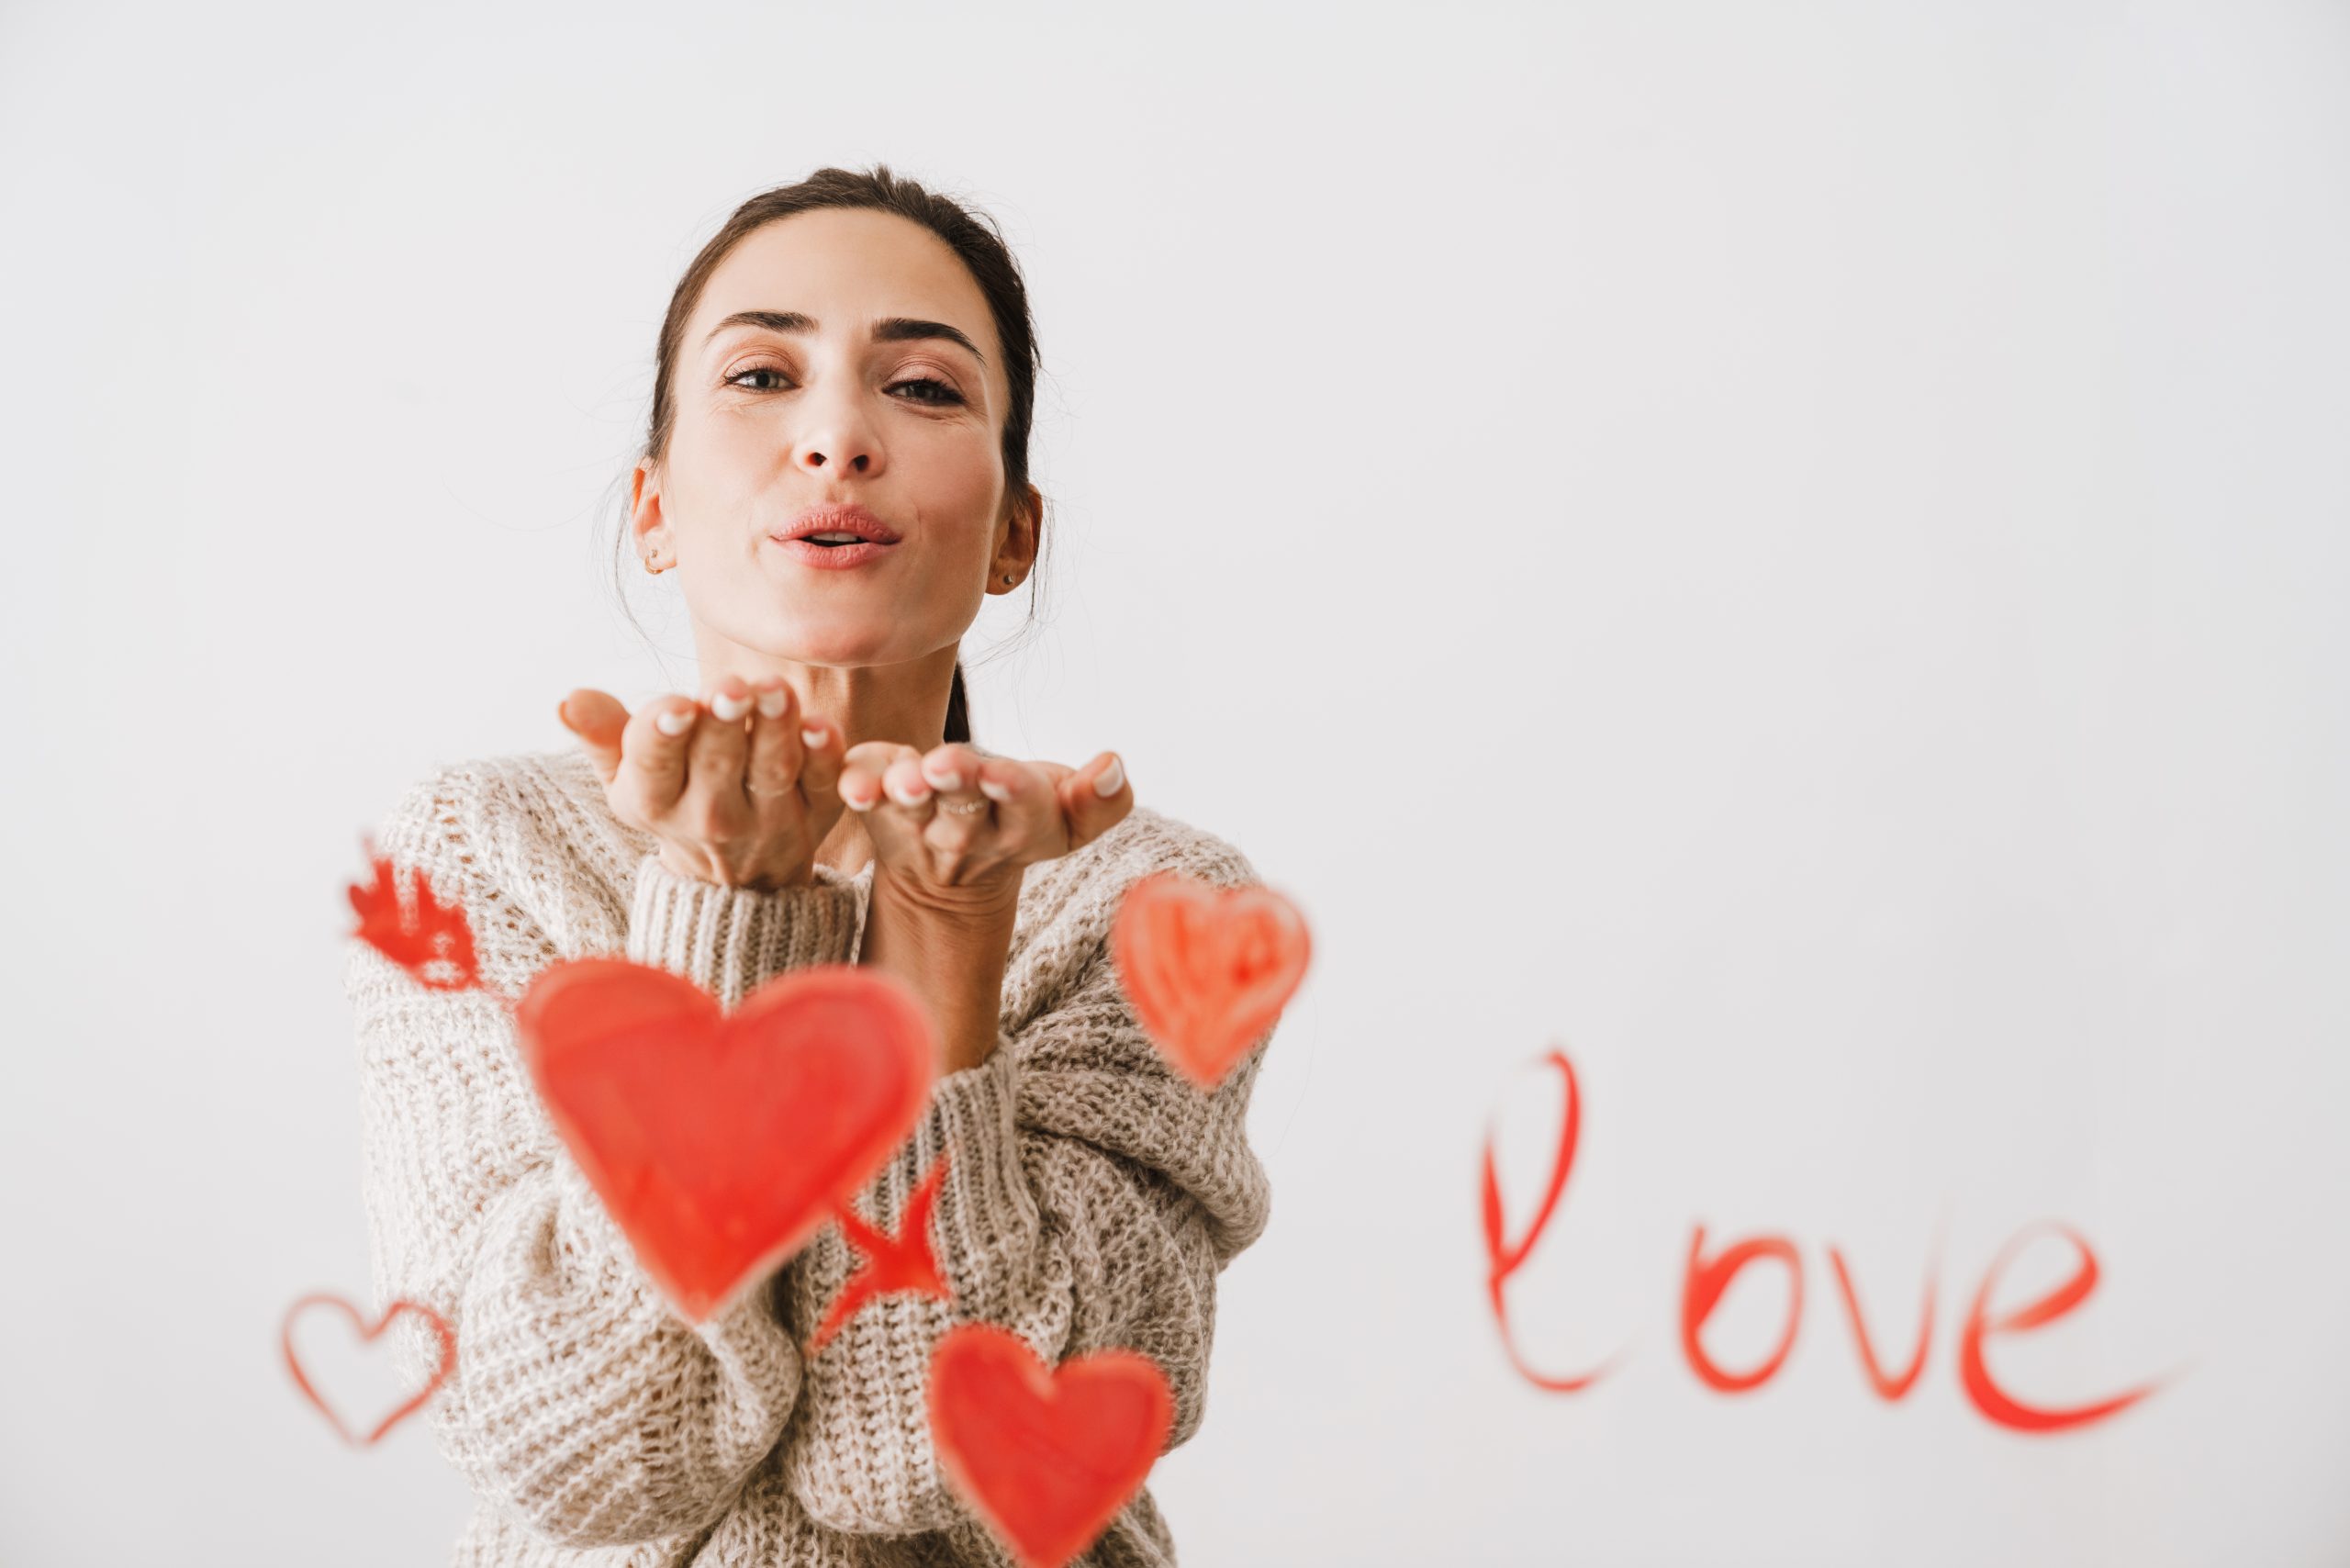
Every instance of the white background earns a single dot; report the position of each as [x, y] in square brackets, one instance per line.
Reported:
[1796, 551]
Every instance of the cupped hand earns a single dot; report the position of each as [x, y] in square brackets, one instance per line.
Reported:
[740, 796]
[955, 829]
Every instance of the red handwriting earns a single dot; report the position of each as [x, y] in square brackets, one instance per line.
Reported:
[1506, 1260]
[1994, 1401]
[1702, 1283]
[1888, 1388]
[1705, 1279]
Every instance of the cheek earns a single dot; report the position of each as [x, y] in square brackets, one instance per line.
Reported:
[961, 483]
[970, 465]
[713, 463]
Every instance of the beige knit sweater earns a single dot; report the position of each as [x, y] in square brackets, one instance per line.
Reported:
[1093, 1198]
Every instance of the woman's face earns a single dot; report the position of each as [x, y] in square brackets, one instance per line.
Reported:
[775, 415]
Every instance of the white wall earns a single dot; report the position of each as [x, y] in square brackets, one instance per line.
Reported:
[1797, 552]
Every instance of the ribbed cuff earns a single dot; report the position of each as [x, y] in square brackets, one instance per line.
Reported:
[731, 941]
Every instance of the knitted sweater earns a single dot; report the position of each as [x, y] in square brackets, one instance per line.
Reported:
[1092, 1200]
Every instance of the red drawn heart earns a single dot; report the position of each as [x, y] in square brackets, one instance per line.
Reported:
[1047, 1456]
[1209, 968]
[366, 1335]
[719, 1141]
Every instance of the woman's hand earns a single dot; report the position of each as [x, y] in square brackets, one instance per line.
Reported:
[953, 830]
[740, 796]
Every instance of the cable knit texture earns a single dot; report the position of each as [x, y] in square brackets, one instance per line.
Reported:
[1092, 1197]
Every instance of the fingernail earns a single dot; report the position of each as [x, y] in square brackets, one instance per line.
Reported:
[672, 722]
[1113, 778]
[728, 706]
[944, 778]
[993, 790]
[812, 737]
[906, 798]
[854, 804]
[771, 703]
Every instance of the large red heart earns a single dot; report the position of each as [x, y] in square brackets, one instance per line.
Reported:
[367, 1333]
[717, 1141]
[1209, 968]
[1047, 1456]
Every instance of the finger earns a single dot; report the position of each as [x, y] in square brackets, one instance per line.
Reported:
[1090, 810]
[656, 754]
[911, 794]
[598, 719]
[774, 767]
[822, 760]
[862, 769]
[1025, 802]
[720, 745]
[962, 812]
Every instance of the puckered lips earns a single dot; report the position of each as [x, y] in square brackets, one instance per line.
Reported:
[835, 535]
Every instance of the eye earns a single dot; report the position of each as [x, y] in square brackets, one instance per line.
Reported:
[736, 379]
[942, 395]
[950, 396]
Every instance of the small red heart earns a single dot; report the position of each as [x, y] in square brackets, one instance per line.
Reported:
[366, 1335]
[719, 1141]
[1209, 968]
[1047, 1456]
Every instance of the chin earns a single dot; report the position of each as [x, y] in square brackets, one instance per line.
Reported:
[843, 650]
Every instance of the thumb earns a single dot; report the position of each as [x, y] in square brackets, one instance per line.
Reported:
[598, 719]
[1088, 812]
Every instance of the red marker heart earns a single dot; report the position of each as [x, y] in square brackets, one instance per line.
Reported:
[366, 1335]
[1209, 968]
[719, 1141]
[1046, 1458]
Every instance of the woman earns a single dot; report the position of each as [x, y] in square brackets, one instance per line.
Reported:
[849, 355]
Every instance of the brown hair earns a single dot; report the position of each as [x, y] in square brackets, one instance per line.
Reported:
[973, 236]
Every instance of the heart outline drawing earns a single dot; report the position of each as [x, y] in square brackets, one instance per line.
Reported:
[367, 1335]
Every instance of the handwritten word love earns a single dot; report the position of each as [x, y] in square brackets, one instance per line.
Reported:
[1704, 1279]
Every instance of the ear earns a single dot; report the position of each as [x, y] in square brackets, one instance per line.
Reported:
[644, 520]
[1017, 540]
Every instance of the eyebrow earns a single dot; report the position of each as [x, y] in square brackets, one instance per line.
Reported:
[887, 329]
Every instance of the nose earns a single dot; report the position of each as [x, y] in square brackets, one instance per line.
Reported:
[837, 435]
[812, 456]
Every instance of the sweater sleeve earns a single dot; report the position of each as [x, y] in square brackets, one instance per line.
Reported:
[579, 1401]
[1092, 1197]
